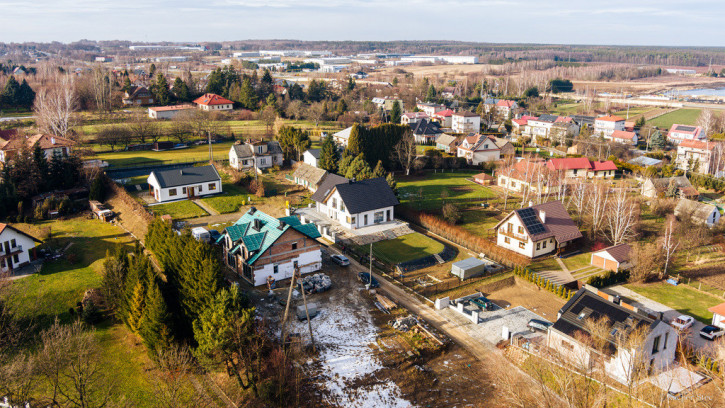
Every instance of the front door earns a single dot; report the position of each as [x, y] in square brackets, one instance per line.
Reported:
[190, 192]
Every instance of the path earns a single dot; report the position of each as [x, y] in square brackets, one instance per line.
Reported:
[205, 207]
[214, 219]
[669, 313]
[561, 264]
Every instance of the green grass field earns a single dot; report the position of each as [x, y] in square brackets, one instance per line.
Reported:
[179, 210]
[60, 285]
[680, 116]
[578, 261]
[230, 201]
[194, 153]
[455, 183]
[682, 298]
[479, 221]
[406, 248]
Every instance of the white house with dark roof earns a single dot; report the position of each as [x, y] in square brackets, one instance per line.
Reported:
[655, 352]
[484, 148]
[678, 133]
[259, 154]
[342, 136]
[426, 131]
[537, 230]
[187, 182]
[356, 204]
[311, 157]
[16, 248]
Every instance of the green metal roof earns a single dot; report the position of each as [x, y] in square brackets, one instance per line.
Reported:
[258, 241]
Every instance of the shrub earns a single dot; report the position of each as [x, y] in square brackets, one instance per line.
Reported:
[451, 213]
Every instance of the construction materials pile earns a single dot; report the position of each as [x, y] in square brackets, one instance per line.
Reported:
[404, 323]
[316, 283]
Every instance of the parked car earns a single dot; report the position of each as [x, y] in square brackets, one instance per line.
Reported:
[683, 322]
[711, 332]
[536, 324]
[367, 279]
[340, 260]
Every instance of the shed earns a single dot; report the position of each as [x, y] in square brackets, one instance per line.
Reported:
[483, 179]
[613, 258]
[200, 234]
[468, 268]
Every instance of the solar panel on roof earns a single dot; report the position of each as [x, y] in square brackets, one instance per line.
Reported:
[531, 221]
[686, 128]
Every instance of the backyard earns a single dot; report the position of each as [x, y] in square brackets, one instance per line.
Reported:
[149, 157]
[179, 210]
[232, 198]
[406, 248]
[682, 298]
[429, 192]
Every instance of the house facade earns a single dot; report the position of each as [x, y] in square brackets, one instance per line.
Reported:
[537, 230]
[425, 131]
[16, 248]
[311, 157]
[656, 351]
[255, 154]
[445, 118]
[49, 144]
[606, 125]
[658, 187]
[168, 112]
[623, 137]
[262, 249]
[356, 204]
[583, 168]
[466, 122]
[409, 118]
[308, 176]
[697, 212]
[213, 102]
[529, 175]
[342, 136]
[137, 96]
[483, 148]
[448, 143]
[679, 133]
[697, 156]
[188, 182]
[430, 108]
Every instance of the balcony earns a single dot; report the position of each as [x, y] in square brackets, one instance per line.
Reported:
[513, 235]
[13, 250]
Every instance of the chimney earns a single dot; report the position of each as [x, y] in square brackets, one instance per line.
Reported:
[542, 216]
[531, 203]
[181, 172]
[257, 224]
[252, 210]
[52, 140]
[282, 224]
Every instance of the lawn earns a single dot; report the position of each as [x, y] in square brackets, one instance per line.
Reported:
[149, 157]
[424, 192]
[60, 285]
[406, 248]
[682, 298]
[547, 264]
[179, 210]
[229, 201]
[680, 116]
[578, 261]
[479, 221]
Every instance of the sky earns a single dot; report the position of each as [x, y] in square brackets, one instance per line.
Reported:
[615, 22]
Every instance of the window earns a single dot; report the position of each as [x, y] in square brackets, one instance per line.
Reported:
[295, 264]
[212, 186]
[521, 229]
[183, 190]
[656, 345]
[262, 161]
[522, 245]
[513, 184]
[353, 220]
[259, 149]
[334, 202]
[294, 245]
[507, 240]
[510, 227]
[538, 246]
[342, 206]
[15, 258]
[275, 268]
[365, 219]
[13, 244]
[567, 345]
[200, 188]
[378, 217]
[544, 245]
[172, 192]
[664, 345]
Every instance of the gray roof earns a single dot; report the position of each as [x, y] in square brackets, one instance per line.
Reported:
[310, 174]
[446, 139]
[245, 149]
[330, 181]
[242, 150]
[645, 161]
[343, 134]
[469, 263]
[359, 196]
[314, 152]
[547, 118]
[186, 176]
[697, 211]
[426, 127]
[621, 253]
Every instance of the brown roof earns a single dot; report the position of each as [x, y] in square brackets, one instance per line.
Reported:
[3, 226]
[557, 223]
[466, 114]
[619, 252]
[46, 142]
[310, 174]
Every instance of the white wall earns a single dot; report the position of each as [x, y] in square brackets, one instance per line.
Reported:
[200, 189]
[226, 107]
[351, 221]
[308, 262]
[308, 158]
[530, 247]
[620, 365]
[22, 241]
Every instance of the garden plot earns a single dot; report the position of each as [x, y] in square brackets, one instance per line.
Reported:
[347, 365]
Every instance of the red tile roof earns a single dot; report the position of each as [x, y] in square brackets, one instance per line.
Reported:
[506, 103]
[444, 113]
[719, 309]
[569, 163]
[611, 118]
[44, 140]
[466, 114]
[621, 134]
[603, 165]
[171, 108]
[564, 119]
[697, 144]
[212, 99]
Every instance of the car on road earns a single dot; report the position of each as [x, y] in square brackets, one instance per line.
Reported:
[711, 332]
[367, 279]
[536, 324]
[683, 322]
[340, 260]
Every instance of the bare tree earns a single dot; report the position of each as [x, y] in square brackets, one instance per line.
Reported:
[579, 196]
[173, 378]
[706, 121]
[54, 107]
[621, 217]
[18, 379]
[316, 112]
[142, 127]
[404, 151]
[669, 244]
[268, 116]
[507, 171]
[102, 89]
[597, 200]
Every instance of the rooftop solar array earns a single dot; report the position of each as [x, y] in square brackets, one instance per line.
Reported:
[685, 128]
[531, 221]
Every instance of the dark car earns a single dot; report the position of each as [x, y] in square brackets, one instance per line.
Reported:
[340, 260]
[367, 279]
[711, 332]
[536, 324]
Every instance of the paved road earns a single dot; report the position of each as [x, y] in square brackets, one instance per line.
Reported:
[669, 314]
[15, 118]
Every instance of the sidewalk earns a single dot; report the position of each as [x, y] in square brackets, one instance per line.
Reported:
[205, 207]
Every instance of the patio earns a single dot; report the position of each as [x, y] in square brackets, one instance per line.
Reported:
[359, 236]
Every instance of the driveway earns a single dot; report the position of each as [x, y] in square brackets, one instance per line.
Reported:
[693, 337]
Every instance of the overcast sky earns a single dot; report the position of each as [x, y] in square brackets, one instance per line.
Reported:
[633, 22]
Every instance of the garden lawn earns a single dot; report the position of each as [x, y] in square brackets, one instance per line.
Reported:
[232, 198]
[578, 261]
[479, 221]
[547, 264]
[680, 116]
[406, 248]
[682, 298]
[179, 210]
[455, 183]
[149, 157]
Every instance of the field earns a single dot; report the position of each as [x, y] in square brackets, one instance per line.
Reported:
[229, 201]
[148, 157]
[427, 192]
[60, 285]
[680, 116]
[406, 248]
[179, 210]
[681, 298]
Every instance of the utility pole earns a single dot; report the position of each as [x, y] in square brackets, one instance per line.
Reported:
[307, 313]
[211, 151]
[371, 264]
[286, 307]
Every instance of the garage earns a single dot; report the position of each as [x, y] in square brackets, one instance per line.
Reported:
[613, 258]
[604, 263]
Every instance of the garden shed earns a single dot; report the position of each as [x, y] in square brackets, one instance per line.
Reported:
[468, 268]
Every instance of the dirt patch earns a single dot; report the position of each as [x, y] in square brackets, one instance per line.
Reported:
[529, 296]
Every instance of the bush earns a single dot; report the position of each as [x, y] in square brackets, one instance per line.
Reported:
[451, 213]
[608, 279]
[91, 314]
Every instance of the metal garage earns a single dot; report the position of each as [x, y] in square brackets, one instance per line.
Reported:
[468, 268]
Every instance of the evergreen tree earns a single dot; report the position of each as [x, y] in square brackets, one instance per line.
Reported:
[316, 91]
[152, 70]
[431, 95]
[135, 308]
[656, 141]
[98, 188]
[199, 277]
[26, 95]
[215, 83]
[355, 143]
[395, 112]
[246, 95]
[359, 169]
[341, 106]
[344, 164]
[161, 90]
[266, 85]
[350, 84]
[181, 90]
[10, 93]
[126, 84]
[392, 183]
[379, 170]
[329, 155]
[41, 163]
[155, 322]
